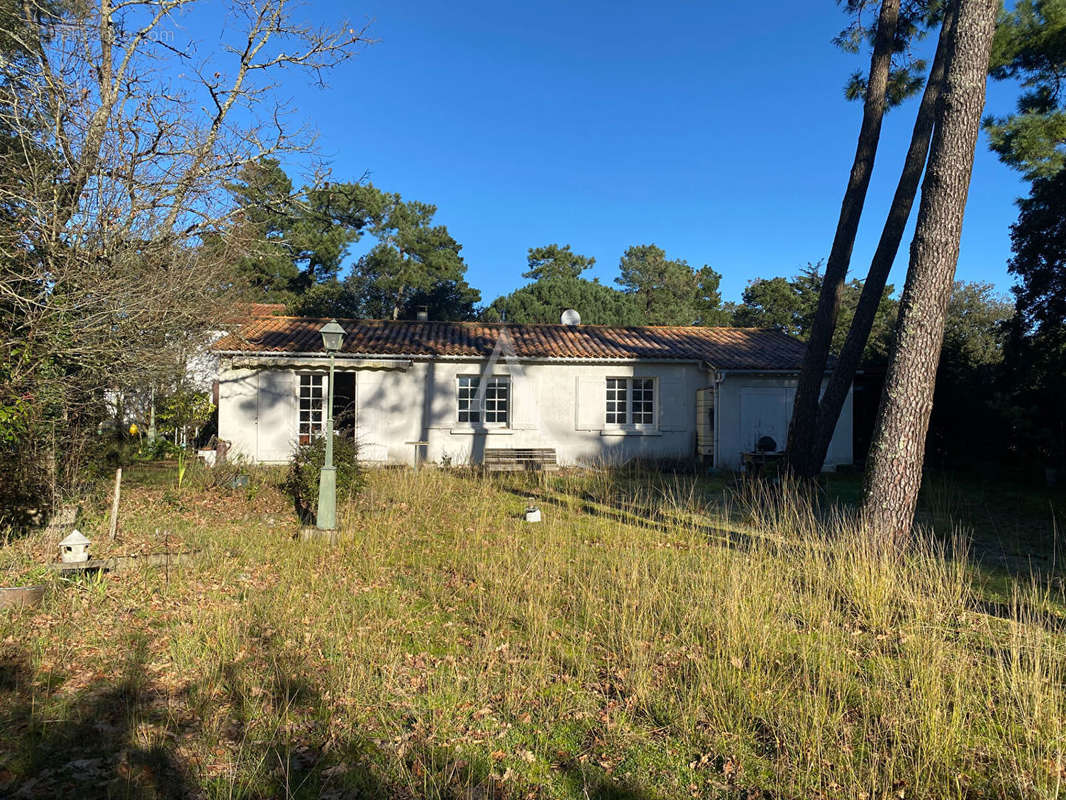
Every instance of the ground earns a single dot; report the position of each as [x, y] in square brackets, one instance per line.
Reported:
[656, 636]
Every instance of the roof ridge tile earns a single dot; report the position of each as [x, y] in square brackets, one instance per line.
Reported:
[721, 346]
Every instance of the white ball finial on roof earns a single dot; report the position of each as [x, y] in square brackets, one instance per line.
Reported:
[570, 317]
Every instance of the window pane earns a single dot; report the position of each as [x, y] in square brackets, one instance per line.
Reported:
[643, 401]
[630, 401]
[494, 403]
[466, 399]
[616, 401]
[311, 406]
[496, 400]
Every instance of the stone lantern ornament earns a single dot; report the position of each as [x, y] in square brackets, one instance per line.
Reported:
[74, 549]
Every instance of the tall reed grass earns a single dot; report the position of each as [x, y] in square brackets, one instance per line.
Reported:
[655, 636]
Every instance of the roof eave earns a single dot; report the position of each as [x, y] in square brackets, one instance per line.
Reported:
[273, 354]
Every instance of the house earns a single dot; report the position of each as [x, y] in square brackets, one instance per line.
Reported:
[201, 367]
[195, 367]
[446, 392]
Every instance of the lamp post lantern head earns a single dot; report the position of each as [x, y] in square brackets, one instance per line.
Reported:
[332, 336]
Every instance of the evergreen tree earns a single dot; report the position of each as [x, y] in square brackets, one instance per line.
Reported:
[1030, 47]
[1038, 241]
[976, 327]
[894, 474]
[789, 304]
[774, 303]
[331, 298]
[669, 292]
[544, 301]
[812, 371]
[412, 257]
[290, 239]
[862, 328]
[556, 261]
[295, 243]
[1037, 343]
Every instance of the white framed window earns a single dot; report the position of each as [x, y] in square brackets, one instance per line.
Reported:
[631, 401]
[312, 406]
[497, 402]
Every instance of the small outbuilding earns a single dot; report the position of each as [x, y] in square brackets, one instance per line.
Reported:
[447, 392]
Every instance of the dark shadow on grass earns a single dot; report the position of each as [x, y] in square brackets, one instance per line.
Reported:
[622, 505]
[93, 743]
[591, 782]
[476, 777]
[587, 781]
[91, 749]
[623, 498]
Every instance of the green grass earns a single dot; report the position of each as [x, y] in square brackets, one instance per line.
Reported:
[655, 637]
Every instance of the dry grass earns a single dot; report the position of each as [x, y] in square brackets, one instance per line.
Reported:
[642, 642]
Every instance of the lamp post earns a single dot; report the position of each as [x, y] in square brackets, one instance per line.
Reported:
[326, 519]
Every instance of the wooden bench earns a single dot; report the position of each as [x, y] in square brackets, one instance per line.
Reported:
[519, 459]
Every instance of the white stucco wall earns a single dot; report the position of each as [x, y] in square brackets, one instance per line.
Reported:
[752, 405]
[201, 365]
[238, 410]
[557, 405]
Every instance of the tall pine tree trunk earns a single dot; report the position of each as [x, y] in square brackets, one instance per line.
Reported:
[836, 391]
[894, 474]
[812, 372]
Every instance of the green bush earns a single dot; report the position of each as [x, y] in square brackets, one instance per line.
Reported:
[301, 481]
[157, 450]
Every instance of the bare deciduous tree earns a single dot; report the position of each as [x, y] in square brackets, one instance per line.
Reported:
[117, 136]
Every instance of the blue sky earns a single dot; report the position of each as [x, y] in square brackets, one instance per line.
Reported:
[716, 130]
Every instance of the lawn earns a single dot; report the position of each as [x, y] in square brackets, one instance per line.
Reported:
[655, 636]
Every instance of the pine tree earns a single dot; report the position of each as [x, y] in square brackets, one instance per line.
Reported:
[1030, 47]
[669, 291]
[873, 290]
[812, 371]
[291, 240]
[412, 256]
[894, 474]
[556, 261]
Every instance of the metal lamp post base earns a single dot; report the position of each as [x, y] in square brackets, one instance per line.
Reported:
[309, 533]
[326, 519]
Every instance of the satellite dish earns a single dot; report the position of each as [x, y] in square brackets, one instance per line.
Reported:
[570, 317]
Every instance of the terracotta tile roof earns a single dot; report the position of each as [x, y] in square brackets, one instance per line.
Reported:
[724, 348]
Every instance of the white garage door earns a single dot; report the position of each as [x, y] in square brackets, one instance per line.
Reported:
[765, 412]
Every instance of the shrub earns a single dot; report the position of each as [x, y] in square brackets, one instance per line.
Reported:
[301, 481]
[161, 448]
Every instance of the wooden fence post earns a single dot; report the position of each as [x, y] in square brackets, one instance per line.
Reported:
[113, 532]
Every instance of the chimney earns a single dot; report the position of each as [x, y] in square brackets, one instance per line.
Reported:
[423, 313]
